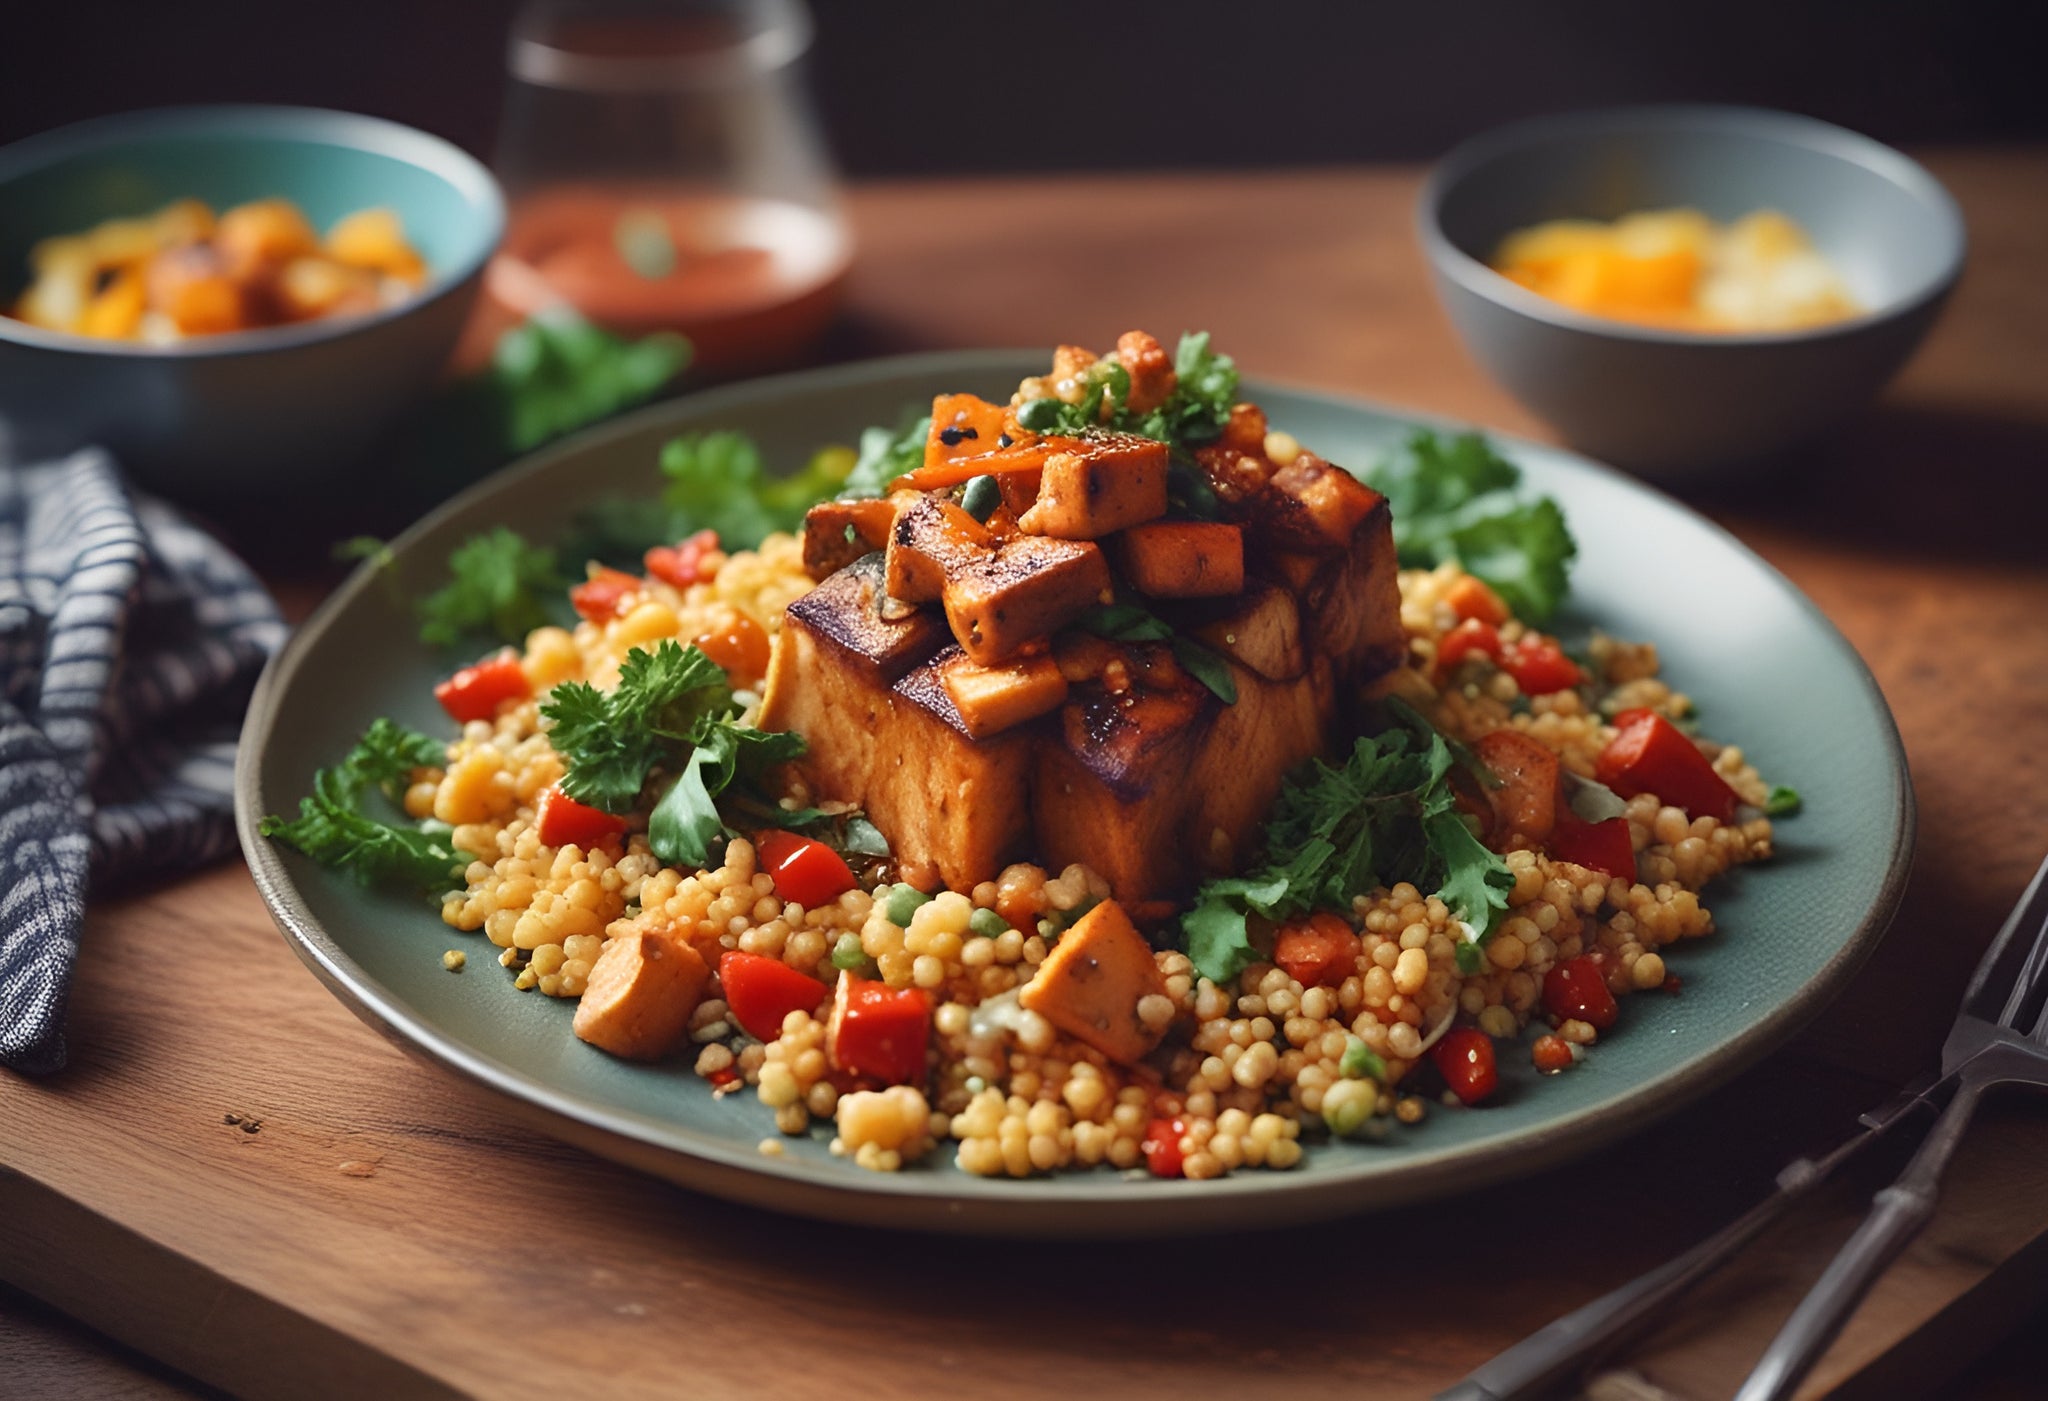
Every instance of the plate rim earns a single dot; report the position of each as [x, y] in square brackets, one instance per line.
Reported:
[1108, 1208]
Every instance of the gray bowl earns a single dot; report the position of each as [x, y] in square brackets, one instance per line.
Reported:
[1670, 404]
[254, 414]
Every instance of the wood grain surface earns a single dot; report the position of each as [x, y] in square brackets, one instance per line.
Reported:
[240, 1180]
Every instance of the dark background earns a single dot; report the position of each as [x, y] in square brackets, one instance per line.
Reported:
[920, 86]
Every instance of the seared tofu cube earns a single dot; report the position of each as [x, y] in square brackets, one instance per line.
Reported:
[932, 539]
[1098, 486]
[1094, 983]
[1183, 559]
[881, 638]
[1259, 629]
[1024, 592]
[836, 533]
[991, 699]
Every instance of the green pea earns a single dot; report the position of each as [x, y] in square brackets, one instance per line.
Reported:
[988, 924]
[902, 904]
[1039, 415]
[980, 497]
[848, 955]
[1359, 1062]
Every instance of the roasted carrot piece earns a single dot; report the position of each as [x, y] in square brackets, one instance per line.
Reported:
[1527, 799]
[1184, 559]
[1321, 950]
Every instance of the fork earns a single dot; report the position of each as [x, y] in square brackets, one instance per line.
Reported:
[2000, 1037]
[2009, 977]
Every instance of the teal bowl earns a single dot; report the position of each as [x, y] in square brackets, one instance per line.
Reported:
[1668, 404]
[275, 413]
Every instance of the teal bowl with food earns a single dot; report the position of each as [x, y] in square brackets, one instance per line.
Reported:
[1816, 261]
[237, 301]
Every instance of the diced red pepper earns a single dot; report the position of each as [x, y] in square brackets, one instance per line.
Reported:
[1541, 667]
[1318, 951]
[559, 820]
[1652, 755]
[1472, 635]
[1465, 1059]
[598, 598]
[476, 692]
[1471, 598]
[1161, 1146]
[878, 1031]
[1576, 990]
[761, 991]
[1552, 1054]
[804, 871]
[1598, 846]
[686, 563]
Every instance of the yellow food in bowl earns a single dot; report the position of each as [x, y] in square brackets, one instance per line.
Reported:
[182, 272]
[1677, 268]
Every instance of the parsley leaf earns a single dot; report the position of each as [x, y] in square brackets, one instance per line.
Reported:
[672, 712]
[1384, 815]
[549, 376]
[1457, 498]
[884, 456]
[333, 830]
[1783, 802]
[1195, 413]
[716, 481]
[496, 585]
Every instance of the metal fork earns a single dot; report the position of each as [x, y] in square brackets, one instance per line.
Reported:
[2009, 978]
[2000, 1037]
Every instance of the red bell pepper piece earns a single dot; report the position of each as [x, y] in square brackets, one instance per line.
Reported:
[686, 563]
[805, 871]
[1161, 1146]
[559, 820]
[1598, 846]
[1320, 950]
[598, 597]
[1576, 990]
[1465, 1059]
[761, 991]
[1540, 668]
[1652, 755]
[879, 1031]
[1471, 597]
[476, 692]
[1472, 635]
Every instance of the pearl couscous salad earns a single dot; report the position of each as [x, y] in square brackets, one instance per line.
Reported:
[1094, 778]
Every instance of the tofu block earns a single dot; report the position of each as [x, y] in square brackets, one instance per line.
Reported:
[931, 539]
[1260, 629]
[1091, 983]
[1028, 589]
[1102, 485]
[956, 808]
[1329, 539]
[852, 610]
[1183, 559]
[642, 991]
[1313, 506]
[993, 699]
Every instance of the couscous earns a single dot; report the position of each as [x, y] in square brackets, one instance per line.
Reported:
[1027, 1016]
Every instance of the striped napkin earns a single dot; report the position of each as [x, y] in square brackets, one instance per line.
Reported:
[129, 639]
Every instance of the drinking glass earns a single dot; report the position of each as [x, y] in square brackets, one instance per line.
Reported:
[666, 172]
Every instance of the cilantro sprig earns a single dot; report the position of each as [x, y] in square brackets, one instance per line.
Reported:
[1195, 413]
[496, 585]
[332, 828]
[672, 713]
[1458, 498]
[1385, 814]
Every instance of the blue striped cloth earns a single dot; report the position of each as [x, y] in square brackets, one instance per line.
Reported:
[129, 639]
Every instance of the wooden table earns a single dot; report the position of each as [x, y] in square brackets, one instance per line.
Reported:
[238, 1179]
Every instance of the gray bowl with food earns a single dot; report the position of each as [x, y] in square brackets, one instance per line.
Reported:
[1672, 400]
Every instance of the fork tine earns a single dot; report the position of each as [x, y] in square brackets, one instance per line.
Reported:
[2014, 964]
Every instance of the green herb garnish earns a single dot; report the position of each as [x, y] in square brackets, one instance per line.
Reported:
[672, 712]
[1195, 413]
[332, 828]
[1783, 802]
[1456, 498]
[885, 455]
[1130, 622]
[1385, 815]
[496, 585]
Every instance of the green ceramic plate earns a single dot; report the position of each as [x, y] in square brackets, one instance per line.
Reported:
[1768, 670]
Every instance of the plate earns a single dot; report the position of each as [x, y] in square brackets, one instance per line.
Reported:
[1767, 670]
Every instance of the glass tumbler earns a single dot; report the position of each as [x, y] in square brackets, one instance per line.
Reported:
[666, 172]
